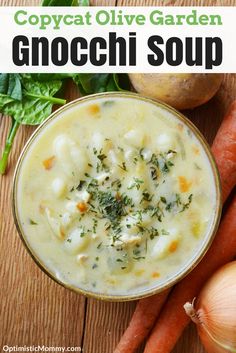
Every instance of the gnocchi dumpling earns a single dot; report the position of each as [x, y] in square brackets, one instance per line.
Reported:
[76, 241]
[119, 262]
[130, 155]
[83, 195]
[54, 224]
[100, 143]
[73, 159]
[165, 142]
[135, 138]
[166, 244]
[59, 187]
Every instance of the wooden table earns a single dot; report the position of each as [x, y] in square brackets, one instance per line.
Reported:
[37, 311]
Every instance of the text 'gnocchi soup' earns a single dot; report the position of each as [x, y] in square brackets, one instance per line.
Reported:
[116, 195]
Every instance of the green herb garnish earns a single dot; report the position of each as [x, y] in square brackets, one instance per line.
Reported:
[32, 222]
[137, 184]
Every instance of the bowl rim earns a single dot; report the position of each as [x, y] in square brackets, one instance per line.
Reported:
[169, 281]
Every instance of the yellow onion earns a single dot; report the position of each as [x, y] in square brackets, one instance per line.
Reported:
[215, 311]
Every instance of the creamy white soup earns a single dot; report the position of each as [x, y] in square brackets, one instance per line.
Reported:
[116, 195]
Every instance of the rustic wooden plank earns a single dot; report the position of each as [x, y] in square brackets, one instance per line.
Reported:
[103, 2]
[19, 2]
[176, 2]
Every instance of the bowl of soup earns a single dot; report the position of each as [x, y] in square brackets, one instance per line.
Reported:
[116, 196]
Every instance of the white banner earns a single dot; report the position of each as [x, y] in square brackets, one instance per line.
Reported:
[117, 39]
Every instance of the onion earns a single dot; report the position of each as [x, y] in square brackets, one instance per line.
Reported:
[215, 311]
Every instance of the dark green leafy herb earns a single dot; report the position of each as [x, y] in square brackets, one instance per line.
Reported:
[163, 199]
[109, 103]
[139, 258]
[123, 166]
[141, 153]
[153, 173]
[101, 157]
[160, 162]
[95, 224]
[99, 245]
[197, 166]
[32, 222]
[153, 232]
[110, 206]
[155, 211]
[164, 232]
[178, 204]
[137, 255]
[80, 185]
[186, 205]
[121, 149]
[82, 234]
[116, 184]
[137, 184]
[146, 196]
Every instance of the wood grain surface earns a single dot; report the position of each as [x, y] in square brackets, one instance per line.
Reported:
[36, 311]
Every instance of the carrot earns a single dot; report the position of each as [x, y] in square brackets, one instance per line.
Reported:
[48, 163]
[82, 207]
[142, 322]
[173, 319]
[94, 109]
[224, 150]
[184, 185]
[226, 160]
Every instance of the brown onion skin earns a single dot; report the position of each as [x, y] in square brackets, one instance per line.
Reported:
[209, 345]
[213, 296]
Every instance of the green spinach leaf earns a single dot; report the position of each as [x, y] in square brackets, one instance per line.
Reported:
[65, 3]
[10, 85]
[95, 83]
[36, 104]
[49, 77]
[81, 3]
[122, 82]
